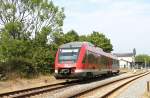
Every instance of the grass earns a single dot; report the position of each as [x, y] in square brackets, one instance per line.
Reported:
[18, 83]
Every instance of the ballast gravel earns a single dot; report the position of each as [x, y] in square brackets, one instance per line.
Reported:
[137, 89]
[70, 91]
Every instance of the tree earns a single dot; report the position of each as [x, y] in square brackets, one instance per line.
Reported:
[61, 38]
[58, 38]
[101, 41]
[21, 17]
[26, 26]
[71, 36]
[142, 58]
[83, 38]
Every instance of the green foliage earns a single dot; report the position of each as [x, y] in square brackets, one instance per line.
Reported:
[11, 48]
[15, 57]
[58, 38]
[142, 58]
[43, 59]
[99, 40]
[71, 36]
[14, 29]
[30, 16]
[26, 58]
[26, 26]
[61, 38]
[83, 38]
[41, 38]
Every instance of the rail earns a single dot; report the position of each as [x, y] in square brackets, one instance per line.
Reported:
[36, 90]
[103, 92]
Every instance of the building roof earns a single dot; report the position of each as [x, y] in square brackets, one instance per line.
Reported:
[124, 54]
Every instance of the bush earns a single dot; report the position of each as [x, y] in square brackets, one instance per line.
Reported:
[18, 67]
[27, 59]
[43, 60]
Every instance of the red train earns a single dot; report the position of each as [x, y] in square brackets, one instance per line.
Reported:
[83, 60]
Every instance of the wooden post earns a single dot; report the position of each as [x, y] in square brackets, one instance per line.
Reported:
[148, 86]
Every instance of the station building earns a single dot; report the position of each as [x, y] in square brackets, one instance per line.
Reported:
[126, 60]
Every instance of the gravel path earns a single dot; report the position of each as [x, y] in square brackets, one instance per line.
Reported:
[137, 89]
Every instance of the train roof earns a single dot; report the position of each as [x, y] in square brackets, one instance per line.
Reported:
[75, 44]
[96, 49]
[101, 52]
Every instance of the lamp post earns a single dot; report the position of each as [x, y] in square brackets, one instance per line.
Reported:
[145, 62]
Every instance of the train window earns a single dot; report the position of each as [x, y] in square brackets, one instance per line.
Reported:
[99, 59]
[95, 58]
[104, 61]
[69, 54]
[115, 62]
[85, 57]
[90, 57]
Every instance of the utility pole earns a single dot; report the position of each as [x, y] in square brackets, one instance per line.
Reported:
[134, 53]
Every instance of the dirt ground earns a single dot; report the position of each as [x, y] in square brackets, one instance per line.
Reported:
[18, 84]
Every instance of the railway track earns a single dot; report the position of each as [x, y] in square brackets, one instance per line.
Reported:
[37, 90]
[104, 91]
[43, 89]
[61, 90]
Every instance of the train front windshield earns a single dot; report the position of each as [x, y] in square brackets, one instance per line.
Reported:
[68, 55]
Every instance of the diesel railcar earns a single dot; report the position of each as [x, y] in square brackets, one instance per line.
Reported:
[83, 60]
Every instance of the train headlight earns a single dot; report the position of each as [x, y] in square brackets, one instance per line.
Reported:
[56, 71]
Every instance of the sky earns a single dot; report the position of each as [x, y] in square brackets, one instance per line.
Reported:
[125, 22]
